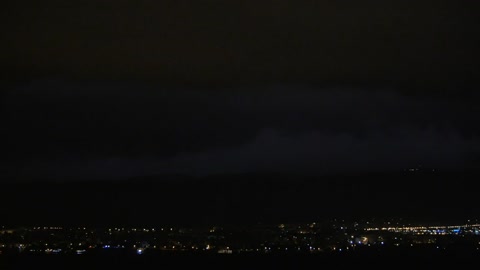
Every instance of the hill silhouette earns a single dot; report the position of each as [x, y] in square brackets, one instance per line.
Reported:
[240, 198]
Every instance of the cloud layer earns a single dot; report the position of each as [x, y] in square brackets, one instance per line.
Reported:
[112, 130]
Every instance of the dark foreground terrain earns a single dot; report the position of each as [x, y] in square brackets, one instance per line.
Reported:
[396, 260]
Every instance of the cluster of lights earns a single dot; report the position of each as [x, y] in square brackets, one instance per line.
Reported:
[430, 229]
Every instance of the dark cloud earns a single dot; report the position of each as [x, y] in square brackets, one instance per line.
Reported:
[89, 130]
[319, 153]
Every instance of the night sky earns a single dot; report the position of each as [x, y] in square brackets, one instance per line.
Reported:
[118, 89]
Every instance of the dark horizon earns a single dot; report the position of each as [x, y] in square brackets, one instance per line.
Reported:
[242, 200]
